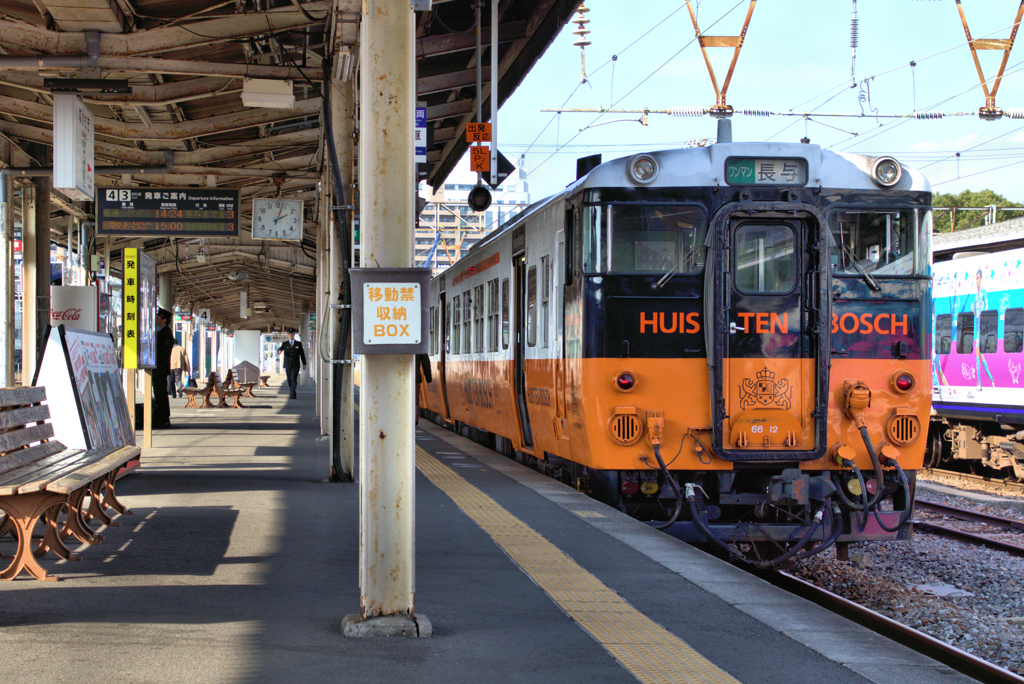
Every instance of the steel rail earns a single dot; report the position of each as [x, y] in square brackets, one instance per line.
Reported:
[969, 538]
[992, 482]
[952, 656]
[973, 516]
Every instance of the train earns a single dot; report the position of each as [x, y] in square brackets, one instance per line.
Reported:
[732, 342]
[977, 396]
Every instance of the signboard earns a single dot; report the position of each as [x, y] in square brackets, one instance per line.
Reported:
[139, 309]
[478, 132]
[480, 159]
[80, 372]
[74, 162]
[749, 171]
[420, 135]
[75, 305]
[171, 212]
[390, 310]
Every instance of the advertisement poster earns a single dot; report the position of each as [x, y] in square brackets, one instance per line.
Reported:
[79, 370]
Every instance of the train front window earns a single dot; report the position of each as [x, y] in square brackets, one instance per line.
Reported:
[765, 259]
[648, 238]
[878, 241]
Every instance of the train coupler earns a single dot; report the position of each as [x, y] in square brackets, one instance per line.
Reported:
[795, 487]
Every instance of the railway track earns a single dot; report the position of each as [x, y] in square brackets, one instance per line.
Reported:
[970, 516]
[955, 658]
[989, 484]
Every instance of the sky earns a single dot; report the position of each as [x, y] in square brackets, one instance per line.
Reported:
[796, 58]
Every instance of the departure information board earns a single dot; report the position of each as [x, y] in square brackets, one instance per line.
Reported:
[170, 212]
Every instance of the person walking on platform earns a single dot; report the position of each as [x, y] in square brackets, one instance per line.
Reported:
[164, 344]
[422, 375]
[293, 354]
[179, 365]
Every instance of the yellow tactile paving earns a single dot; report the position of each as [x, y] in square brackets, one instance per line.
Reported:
[645, 648]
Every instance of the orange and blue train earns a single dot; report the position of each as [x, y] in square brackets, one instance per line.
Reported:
[732, 342]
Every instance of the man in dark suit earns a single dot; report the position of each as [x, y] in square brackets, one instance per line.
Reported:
[164, 344]
[293, 355]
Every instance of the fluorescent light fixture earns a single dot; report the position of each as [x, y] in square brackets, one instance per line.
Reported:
[261, 92]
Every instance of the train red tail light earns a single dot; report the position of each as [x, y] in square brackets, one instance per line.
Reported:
[630, 487]
[902, 382]
[625, 381]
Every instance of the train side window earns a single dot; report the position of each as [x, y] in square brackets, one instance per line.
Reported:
[531, 306]
[944, 333]
[965, 333]
[988, 332]
[765, 259]
[456, 324]
[593, 238]
[492, 315]
[545, 296]
[467, 322]
[1013, 331]
[478, 318]
[504, 313]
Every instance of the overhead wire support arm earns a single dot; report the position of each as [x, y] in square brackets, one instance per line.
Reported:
[990, 112]
[721, 109]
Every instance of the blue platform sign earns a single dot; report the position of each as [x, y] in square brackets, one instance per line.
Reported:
[420, 138]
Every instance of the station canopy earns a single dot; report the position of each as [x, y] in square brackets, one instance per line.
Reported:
[182, 118]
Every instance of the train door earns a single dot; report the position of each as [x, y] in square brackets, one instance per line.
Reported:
[770, 377]
[519, 261]
[443, 363]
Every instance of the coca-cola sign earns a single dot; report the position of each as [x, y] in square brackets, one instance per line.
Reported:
[66, 315]
[75, 306]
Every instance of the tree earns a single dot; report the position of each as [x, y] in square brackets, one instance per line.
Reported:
[969, 219]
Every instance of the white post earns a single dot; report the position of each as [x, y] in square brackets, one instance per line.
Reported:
[29, 285]
[387, 183]
[494, 92]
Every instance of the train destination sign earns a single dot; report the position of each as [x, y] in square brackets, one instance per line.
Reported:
[170, 212]
[750, 171]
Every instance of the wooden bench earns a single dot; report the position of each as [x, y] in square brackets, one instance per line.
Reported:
[194, 394]
[40, 478]
[246, 388]
[263, 380]
[227, 389]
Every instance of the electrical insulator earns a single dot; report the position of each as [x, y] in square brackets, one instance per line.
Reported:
[754, 112]
[1014, 113]
[687, 111]
[928, 115]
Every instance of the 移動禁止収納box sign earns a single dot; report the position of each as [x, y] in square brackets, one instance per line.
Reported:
[390, 310]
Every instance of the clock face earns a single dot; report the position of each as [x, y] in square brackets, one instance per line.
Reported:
[276, 219]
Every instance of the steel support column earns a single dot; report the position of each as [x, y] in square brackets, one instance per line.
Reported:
[387, 186]
[29, 284]
[343, 121]
[42, 247]
[6, 276]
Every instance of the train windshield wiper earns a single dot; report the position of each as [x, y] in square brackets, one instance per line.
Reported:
[868, 278]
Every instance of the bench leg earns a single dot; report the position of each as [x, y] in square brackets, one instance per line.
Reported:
[53, 538]
[76, 523]
[238, 402]
[95, 510]
[110, 499]
[25, 511]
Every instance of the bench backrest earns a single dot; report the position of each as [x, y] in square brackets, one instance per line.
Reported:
[25, 427]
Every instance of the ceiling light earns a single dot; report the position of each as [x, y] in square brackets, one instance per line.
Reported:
[261, 92]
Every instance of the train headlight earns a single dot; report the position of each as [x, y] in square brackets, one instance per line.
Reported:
[625, 381]
[643, 169]
[886, 171]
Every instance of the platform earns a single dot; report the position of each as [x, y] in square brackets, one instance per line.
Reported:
[240, 564]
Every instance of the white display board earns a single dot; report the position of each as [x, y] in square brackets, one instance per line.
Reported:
[80, 372]
[74, 163]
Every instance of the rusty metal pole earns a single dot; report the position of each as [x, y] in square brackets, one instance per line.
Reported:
[343, 114]
[29, 284]
[387, 185]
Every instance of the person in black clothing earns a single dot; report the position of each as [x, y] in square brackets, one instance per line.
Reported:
[293, 354]
[164, 344]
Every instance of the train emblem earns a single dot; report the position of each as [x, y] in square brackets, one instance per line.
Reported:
[766, 391]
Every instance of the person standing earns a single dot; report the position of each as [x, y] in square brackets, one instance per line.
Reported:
[179, 366]
[164, 344]
[293, 355]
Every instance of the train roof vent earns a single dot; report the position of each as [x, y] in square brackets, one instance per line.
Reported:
[585, 165]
